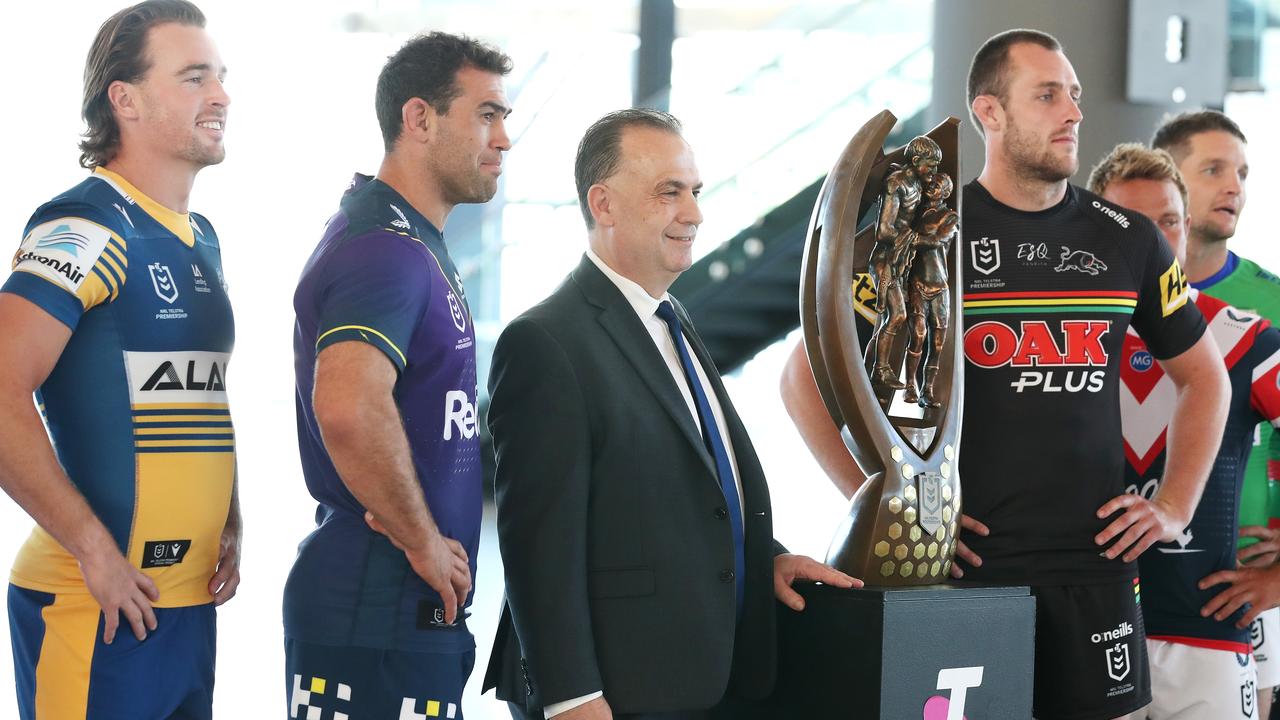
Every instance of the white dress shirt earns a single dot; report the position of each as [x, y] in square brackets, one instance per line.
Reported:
[646, 308]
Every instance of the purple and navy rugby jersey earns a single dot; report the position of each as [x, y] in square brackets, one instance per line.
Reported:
[382, 275]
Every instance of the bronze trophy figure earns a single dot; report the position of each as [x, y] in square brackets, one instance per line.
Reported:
[903, 430]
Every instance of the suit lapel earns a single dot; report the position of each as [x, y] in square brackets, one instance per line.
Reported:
[619, 320]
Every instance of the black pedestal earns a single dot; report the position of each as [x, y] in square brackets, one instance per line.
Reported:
[906, 653]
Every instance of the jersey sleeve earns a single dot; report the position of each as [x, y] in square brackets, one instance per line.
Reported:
[1264, 392]
[1165, 318]
[378, 289]
[69, 262]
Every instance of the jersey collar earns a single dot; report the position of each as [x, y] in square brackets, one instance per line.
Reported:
[180, 224]
[1227, 268]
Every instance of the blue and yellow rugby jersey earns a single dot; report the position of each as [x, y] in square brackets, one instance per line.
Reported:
[136, 406]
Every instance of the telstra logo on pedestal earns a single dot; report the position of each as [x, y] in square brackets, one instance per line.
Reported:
[958, 681]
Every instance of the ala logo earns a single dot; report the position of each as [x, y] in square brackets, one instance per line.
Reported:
[1141, 361]
[163, 282]
[1082, 260]
[456, 314]
[958, 682]
[459, 412]
[1073, 343]
[403, 222]
[984, 255]
[194, 376]
[199, 377]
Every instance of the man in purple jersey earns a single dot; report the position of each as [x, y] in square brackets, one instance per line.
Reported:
[1042, 461]
[384, 356]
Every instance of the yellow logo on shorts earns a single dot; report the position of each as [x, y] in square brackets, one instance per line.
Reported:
[1174, 289]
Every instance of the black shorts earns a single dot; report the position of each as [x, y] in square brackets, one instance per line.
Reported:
[1091, 652]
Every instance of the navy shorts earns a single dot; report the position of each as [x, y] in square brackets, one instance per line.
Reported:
[328, 682]
[65, 672]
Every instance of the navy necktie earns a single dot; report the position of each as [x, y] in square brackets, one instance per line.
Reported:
[714, 442]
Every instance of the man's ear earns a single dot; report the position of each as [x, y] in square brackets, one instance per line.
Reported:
[123, 97]
[989, 112]
[418, 121]
[600, 205]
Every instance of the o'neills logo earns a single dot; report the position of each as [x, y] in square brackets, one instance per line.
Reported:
[1123, 630]
[1119, 217]
[70, 271]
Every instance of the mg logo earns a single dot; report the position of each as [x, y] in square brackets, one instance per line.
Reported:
[459, 413]
[1118, 661]
[957, 681]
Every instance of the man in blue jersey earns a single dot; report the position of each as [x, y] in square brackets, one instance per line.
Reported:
[116, 318]
[385, 363]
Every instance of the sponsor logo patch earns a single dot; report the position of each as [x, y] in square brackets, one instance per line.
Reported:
[62, 251]
[958, 681]
[163, 553]
[1174, 289]
[1082, 260]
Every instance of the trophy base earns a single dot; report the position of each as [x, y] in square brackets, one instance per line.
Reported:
[881, 653]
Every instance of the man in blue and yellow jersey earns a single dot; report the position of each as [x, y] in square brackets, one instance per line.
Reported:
[385, 363]
[116, 318]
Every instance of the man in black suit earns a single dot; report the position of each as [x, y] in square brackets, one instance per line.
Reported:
[633, 513]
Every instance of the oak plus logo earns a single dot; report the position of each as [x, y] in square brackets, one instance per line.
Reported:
[1068, 348]
[958, 682]
[459, 413]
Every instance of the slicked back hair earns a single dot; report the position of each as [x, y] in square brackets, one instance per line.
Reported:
[119, 52]
[600, 151]
[1135, 161]
[989, 71]
[427, 67]
[1175, 131]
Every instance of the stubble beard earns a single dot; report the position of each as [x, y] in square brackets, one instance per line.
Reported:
[1029, 162]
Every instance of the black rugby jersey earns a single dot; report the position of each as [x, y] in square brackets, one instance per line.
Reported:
[1048, 298]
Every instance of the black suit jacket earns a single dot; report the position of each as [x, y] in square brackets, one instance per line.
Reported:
[614, 533]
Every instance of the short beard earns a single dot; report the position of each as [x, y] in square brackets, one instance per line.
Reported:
[1207, 232]
[1028, 164]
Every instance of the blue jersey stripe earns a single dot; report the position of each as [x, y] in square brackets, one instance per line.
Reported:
[102, 263]
[148, 424]
[180, 436]
[181, 411]
[111, 288]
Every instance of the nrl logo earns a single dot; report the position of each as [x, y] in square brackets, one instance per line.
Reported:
[984, 255]
[162, 280]
[1118, 661]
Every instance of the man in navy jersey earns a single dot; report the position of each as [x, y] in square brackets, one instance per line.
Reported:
[1046, 308]
[1201, 666]
[384, 356]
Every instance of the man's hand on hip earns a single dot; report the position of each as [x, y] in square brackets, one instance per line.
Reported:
[119, 587]
[441, 563]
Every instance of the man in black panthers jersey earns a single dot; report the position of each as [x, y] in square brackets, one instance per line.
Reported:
[1053, 279]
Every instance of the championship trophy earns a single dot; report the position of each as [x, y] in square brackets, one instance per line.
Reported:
[881, 314]
[880, 309]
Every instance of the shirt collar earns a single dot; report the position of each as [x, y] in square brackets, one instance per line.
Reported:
[640, 300]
